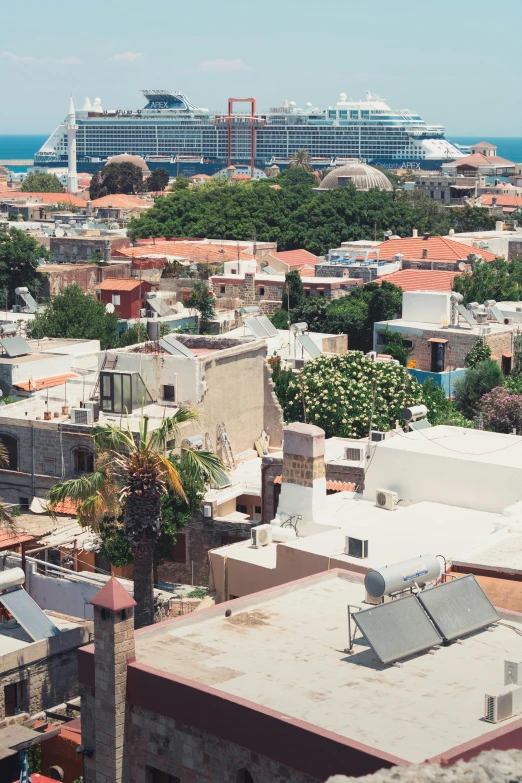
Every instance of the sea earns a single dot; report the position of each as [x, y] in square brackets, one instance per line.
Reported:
[19, 147]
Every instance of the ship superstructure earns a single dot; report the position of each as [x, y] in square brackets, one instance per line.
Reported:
[171, 131]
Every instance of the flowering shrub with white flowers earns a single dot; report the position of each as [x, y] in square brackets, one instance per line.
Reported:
[339, 392]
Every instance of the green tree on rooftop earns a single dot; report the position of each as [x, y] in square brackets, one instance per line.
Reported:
[40, 182]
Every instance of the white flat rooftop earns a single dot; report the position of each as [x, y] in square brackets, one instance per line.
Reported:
[400, 324]
[502, 553]
[284, 650]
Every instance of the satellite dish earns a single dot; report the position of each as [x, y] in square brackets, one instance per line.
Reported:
[59, 232]
[462, 266]
[109, 307]
[179, 307]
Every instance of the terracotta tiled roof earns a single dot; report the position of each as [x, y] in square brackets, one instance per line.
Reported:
[10, 538]
[276, 187]
[120, 284]
[295, 258]
[331, 486]
[477, 159]
[307, 271]
[67, 506]
[200, 176]
[484, 144]
[46, 198]
[122, 201]
[421, 280]
[192, 251]
[502, 200]
[44, 383]
[439, 249]
[113, 596]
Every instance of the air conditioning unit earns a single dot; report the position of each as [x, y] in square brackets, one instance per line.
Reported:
[376, 436]
[82, 416]
[261, 535]
[386, 498]
[93, 406]
[356, 547]
[354, 453]
[512, 673]
[503, 705]
[143, 312]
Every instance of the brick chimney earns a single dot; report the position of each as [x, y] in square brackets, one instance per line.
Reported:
[249, 289]
[303, 488]
[113, 650]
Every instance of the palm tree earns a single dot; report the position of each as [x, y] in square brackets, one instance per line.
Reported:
[301, 160]
[131, 474]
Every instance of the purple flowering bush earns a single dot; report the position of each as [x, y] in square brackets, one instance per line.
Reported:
[501, 411]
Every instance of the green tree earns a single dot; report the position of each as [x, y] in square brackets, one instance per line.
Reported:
[394, 346]
[480, 352]
[20, 257]
[180, 183]
[293, 291]
[301, 159]
[280, 319]
[441, 410]
[39, 182]
[123, 177]
[133, 335]
[499, 279]
[517, 354]
[356, 314]
[131, 476]
[204, 301]
[158, 180]
[76, 315]
[311, 310]
[282, 379]
[478, 381]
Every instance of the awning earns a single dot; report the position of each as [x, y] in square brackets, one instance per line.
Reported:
[331, 486]
[45, 383]
[436, 340]
[320, 288]
[508, 355]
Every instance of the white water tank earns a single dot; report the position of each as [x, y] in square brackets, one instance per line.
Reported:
[11, 577]
[399, 576]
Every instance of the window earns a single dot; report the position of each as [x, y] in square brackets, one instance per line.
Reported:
[241, 508]
[13, 696]
[116, 299]
[156, 776]
[507, 363]
[222, 289]
[83, 460]
[381, 338]
[169, 393]
[257, 509]
[11, 445]
[244, 776]
[438, 357]
[261, 290]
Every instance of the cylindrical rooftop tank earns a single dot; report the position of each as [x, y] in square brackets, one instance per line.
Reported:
[392, 578]
[21, 290]
[414, 413]
[11, 577]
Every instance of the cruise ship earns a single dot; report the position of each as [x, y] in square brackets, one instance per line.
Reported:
[173, 133]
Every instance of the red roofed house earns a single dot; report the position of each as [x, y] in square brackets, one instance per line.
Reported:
[501, 203]
[126, 294]
[421, 279]
[482, 161]
[288, 260]
[429, 252]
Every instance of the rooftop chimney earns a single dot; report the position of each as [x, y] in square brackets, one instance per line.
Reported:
[303, 488]
[425, 252]
[499, 225]
[426, 235]
[452, 232]
[106, 251]
[494, 201]
[415, 233]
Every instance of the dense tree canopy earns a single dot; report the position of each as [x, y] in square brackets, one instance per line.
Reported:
[40, 182]
[478, 381]
[296, 216]
[499, 279]
[76, 315]
[19, 263]
[116, 178]
[158, 180]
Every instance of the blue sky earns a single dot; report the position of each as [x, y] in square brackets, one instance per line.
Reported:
[453, 61]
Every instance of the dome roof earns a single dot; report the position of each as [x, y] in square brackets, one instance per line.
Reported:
[363, 177]
[126, 158]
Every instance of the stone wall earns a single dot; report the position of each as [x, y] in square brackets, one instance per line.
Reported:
[301, 470]
[195, 756]
[41, 447]
[86, 276]
[201, 535]
[48, 671]
[74, 249]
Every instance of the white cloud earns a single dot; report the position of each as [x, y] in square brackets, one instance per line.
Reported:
[126, 57]
[16, 58]
[223, 66]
